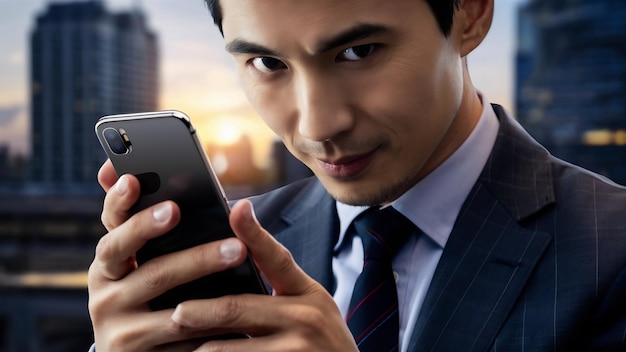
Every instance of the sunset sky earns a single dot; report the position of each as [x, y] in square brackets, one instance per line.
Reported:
[197, 76]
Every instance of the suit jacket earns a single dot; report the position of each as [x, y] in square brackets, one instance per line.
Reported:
[536, 260]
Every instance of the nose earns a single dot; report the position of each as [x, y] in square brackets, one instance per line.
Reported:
[322, 107]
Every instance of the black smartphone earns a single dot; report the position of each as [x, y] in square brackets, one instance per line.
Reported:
[163, 151]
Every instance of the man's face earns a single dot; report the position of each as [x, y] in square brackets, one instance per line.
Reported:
[366, 93]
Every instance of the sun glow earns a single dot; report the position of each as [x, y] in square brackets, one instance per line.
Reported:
[227, 130]
[226, 133]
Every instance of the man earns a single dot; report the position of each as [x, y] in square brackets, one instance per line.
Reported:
[514, 250]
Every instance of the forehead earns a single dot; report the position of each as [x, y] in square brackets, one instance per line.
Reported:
[276, 22]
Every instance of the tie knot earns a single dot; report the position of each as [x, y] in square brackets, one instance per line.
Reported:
[383, 231]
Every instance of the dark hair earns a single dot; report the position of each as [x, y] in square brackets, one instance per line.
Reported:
[443, 10]
[216, 12]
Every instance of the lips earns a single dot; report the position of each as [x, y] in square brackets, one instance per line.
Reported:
[346, 167]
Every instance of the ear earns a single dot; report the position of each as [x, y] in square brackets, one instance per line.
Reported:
[474, 19]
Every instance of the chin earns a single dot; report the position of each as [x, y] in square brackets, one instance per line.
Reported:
[367, 195]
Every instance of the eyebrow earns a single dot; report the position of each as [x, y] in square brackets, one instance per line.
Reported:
[240, 46]
[358, 32]
[361, 31]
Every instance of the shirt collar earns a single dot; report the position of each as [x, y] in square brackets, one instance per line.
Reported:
[433, 204]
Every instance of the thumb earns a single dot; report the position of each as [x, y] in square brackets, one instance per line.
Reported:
[272, 259]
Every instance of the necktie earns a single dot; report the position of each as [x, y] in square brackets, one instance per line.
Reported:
[373, 312]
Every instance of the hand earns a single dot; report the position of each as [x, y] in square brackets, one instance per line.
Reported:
[300, 316]
[119, 291]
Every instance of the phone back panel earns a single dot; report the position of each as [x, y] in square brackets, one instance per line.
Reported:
[167, 158]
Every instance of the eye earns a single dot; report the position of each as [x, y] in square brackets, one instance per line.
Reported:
[356, 53]
[267, 64]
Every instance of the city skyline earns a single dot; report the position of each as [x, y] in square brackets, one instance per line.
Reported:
[198, 76]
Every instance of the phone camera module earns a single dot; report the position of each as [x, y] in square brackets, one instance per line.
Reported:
[117, 140]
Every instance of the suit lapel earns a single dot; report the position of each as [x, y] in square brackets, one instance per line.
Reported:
[489, 256]
[483, 269]
[309, 228]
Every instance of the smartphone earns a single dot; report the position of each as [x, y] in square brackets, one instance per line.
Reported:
[163, 151]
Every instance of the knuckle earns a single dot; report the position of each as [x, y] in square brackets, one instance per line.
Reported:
[207, 257]
[143, 227]
[310, 319]
[93, 275]
[199, 256]
[228, 311]
[138, 227]
[95, 310]
[135, 222]
[153, 276]
[122, 339]
[100, 304]
[105, 255]
[284, 261]
[105, 221]
[107, 217]
[103, 248]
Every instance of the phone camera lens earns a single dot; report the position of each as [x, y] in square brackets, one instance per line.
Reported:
[115, 141]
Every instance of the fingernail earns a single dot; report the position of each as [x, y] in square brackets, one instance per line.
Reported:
[162, 213]
[121, 186]
[230, 249]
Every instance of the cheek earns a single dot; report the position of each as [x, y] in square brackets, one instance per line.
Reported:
[416, 104]
[403, 99]
[272, 105]
[432, 92]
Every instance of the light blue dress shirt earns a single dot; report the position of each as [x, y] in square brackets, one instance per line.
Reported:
[433, 205]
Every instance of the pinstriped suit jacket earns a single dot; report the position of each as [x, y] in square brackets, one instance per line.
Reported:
[536, 260]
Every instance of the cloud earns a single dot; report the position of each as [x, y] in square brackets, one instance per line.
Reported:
[8, 114]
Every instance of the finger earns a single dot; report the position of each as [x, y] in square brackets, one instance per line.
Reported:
[246, 313]
[188, 345]
[119, 200]
[161, 274]
[272, 259]
[314, 317]
[257, 344]
[107, 175]
[115, 249]
[141, 329]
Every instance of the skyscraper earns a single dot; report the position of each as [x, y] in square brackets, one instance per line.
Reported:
[86, 62]
[571, 80]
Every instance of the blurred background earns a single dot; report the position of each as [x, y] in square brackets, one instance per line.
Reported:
[558, 65]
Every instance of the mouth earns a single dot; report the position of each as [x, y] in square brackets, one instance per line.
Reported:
[346, 167]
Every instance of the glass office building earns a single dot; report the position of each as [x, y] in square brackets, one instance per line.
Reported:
[86, 62]
[571, 80]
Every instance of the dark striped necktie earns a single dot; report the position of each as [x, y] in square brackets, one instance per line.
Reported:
[373, 313]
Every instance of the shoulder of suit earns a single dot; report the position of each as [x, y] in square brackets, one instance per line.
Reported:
[272, 203]
[575, 183]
